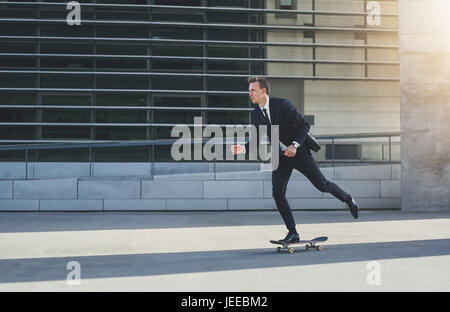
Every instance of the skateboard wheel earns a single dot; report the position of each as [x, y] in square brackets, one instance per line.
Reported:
[278, 249]
[291, 250]
[319, 248]
[306, 247]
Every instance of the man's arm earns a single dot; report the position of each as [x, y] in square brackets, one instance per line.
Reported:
[297, 121]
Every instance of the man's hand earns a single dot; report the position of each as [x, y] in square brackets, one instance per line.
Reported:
[290, 151]
[237, 149]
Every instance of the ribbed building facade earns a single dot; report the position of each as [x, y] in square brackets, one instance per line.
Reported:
[133, 69]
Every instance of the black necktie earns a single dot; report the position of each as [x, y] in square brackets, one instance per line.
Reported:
[265, 115]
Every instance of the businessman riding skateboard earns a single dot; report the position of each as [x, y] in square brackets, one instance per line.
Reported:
[295, 153]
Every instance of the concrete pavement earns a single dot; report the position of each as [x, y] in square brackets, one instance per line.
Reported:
[222, 251]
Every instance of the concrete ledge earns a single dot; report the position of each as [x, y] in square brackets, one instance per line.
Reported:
[19, 205]
[251, 204]
[71, 205]
[12, 170]
[6, 189]
[358, 188]
[196, 204]
[109, 189]
[134, 204]
[379, 203]
[378, 172]
[57, 189]
[171, 189]
[390, 188]
[57, 170]
[295, 189]
[316, 203]
[110, 169]
[233, 189]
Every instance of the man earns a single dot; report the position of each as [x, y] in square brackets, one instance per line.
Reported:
[293, 130]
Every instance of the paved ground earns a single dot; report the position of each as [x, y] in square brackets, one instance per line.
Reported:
[222, 251]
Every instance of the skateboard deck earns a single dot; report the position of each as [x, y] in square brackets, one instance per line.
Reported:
[309, 244]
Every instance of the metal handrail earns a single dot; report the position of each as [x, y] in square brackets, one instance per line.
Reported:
[153, 143]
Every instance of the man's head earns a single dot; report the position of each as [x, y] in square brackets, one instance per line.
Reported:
[258, 88]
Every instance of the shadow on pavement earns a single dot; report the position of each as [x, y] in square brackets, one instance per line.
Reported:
[82, 221]
[129, 265]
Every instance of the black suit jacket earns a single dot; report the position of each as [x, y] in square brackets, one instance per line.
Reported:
[293, 126]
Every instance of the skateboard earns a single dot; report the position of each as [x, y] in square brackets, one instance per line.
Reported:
[310, 244]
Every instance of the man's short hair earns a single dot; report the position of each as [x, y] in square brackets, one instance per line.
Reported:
[263, 82]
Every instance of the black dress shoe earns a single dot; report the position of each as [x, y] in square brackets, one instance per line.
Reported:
[354, 209]
[290, 238]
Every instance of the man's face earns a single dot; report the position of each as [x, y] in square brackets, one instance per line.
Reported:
[257, 95]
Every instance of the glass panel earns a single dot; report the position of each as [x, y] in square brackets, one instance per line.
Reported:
[175, 117]
[177, 65]
[176, 101]
[66, 81]
[22, 11]
[122, 82]
[64, 99]
[17, 133]
[17, 62]
[15, 115]
[226, 17]
[123, 64]
[173, 50]
[62, 29]
[63, 155]
[67, 63]
[237, 67]
[66, 115]
[177, 83]
[66, 48]
[17, 80]
[228, 118]
[228, 34]
[178, 2]
[121, 49]
[121, 133]
[121, 99]
[10, 98]
[122, 31]
[228, 52]
[238, 101]
[229, 3]
[17, 29]
[177, 33]
[66, 132]
[227, 83]
[16, 47]
[121, 116]
[177, 17]
[122, 14]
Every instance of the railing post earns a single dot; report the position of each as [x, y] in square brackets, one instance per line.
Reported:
[390, 143]
[26, 163]
[332, 150]
[153, 160]
[90, 160]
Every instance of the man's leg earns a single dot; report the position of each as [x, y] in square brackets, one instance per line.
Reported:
[280, 179]
[305, 163]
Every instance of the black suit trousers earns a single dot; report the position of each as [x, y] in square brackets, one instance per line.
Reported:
[304, 163]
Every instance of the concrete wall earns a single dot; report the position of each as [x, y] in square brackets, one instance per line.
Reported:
[341, 107]
[374, 187]
[425, 104]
